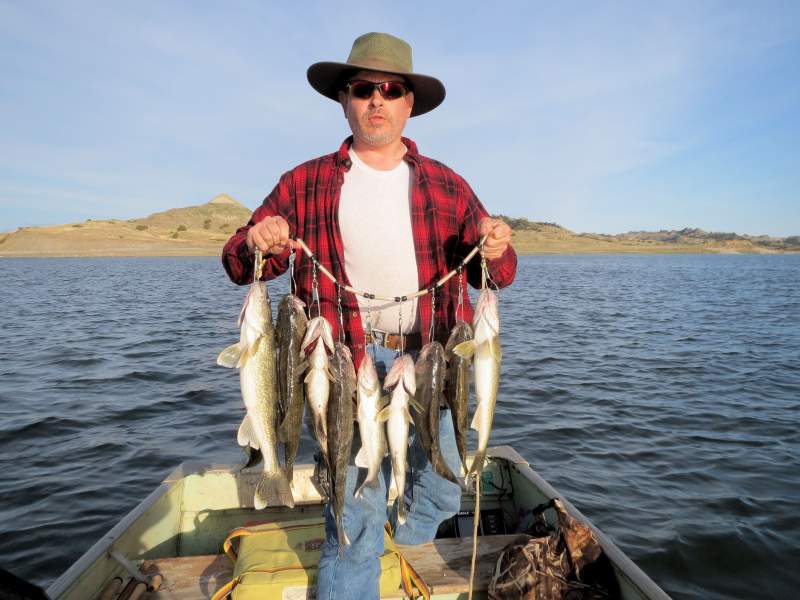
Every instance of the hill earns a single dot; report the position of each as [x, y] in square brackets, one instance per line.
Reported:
[543, 237]
[192, 231]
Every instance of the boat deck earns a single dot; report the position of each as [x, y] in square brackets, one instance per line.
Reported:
[443, 564]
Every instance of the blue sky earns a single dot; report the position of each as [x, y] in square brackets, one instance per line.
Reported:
[602, 117]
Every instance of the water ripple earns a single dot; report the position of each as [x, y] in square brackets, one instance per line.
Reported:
[659, 393]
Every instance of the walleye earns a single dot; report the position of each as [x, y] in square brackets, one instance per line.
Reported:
[290, 330]
[317, 382]
[340, 431]
[458, 372]
[397, 418]
[486, 353]
[373, 439]
[254, 355]
[431, 370]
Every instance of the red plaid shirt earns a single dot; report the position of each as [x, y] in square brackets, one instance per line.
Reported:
[444, 219]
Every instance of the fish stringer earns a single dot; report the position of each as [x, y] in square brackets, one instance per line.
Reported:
[314, 288]
[368, 326]
[292, 282]
[433, 314]
[460, 305]
[402, 347]
[340, 310]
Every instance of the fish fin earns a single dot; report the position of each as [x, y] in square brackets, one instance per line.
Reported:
[465, 349]
[248, 352]
[246, 436]
[407, 415]
[494, 348]
[361, 458]
[301, 366]
[373, 483]
[253, 457]
[475, 425]
[273, 490]
[383, 415]
[230, 356]
[416, 405]
[308, 376]
[329, 373]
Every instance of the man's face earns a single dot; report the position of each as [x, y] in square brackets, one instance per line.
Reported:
[376, 121]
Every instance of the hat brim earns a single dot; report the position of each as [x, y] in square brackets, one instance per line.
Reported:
[326, 77]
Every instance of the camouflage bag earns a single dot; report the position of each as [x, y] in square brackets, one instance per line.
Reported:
[565, 563]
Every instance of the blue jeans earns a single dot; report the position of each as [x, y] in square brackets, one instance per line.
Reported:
[431, 499]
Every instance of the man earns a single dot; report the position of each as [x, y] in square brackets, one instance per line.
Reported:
[387, 220]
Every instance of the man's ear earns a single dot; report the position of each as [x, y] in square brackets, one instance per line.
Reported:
[343, 102]
[410, 100]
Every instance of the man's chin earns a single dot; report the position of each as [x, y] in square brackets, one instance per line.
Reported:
[377, 139]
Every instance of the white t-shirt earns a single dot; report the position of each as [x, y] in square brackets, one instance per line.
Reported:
[379, 255]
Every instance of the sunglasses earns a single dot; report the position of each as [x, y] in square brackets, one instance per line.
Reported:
[389, 90]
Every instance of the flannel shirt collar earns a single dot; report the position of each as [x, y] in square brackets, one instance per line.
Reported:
[343, 158]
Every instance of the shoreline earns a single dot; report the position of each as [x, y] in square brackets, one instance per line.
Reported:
[202, 254]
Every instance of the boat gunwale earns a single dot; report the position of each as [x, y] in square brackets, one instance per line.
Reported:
[621, 561]
[102, 547]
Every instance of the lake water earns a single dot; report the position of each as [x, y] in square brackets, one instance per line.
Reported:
[660, 394]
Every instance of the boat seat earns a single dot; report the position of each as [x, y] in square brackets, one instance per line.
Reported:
[443, 564]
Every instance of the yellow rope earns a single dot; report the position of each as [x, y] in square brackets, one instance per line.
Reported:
[475, 518]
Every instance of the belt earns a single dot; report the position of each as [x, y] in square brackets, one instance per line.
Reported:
[410, 341]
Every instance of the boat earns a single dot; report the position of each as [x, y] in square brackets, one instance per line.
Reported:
[176, 535]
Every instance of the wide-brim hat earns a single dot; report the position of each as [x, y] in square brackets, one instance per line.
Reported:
[378, 52]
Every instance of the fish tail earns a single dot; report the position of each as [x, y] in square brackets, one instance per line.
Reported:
[401, 510]
[373, 483]
[289, 469]
[476, 468]
[340, 533]
[289, 454]
[273, 490]
[443, 470]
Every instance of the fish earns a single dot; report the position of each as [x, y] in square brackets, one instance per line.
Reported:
[486, 355]
[430, 371]
[401, 380]
[373, 439]
[254, 356]
[340, 431]
[458, 379]
[289, 332]
[318, 346]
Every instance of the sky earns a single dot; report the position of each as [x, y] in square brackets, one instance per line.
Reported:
[602, 117]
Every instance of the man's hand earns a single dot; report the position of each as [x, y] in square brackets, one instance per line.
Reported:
[270, 235]
[499, 236]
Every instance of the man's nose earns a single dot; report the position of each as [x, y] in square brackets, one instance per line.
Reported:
[376, 97]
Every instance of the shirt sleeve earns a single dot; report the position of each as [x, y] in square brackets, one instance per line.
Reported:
[237, 258]
[503, 269]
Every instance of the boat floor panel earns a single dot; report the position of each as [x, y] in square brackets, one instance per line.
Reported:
[443, 564]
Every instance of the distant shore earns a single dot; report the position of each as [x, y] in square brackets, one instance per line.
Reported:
[203, 230]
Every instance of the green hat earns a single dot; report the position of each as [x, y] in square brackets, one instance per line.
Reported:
[378, 52]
